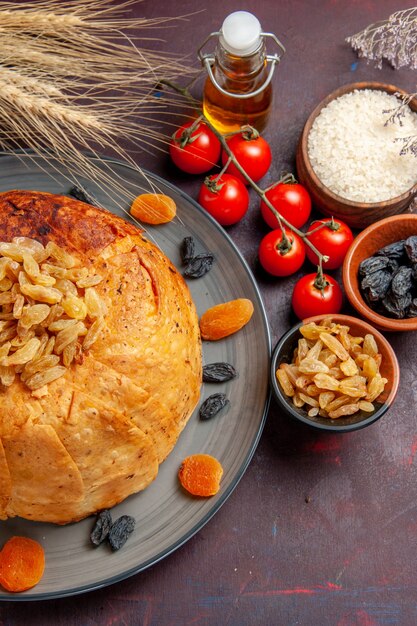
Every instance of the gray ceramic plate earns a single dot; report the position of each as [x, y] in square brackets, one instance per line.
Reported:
[165, 516]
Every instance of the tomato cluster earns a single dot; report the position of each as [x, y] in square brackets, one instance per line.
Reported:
[314, 293]
[331, 237]
[195, 149]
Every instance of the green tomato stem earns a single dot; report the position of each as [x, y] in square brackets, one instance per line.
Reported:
[223, 170]
[186, 135]
[320, 282]
[319, 227]
[285, 179]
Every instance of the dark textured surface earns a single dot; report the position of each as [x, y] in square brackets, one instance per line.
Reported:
[322, 529]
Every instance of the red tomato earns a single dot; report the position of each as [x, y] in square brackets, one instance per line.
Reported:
[291, 200]
[308, 299]
[225, 198]
[333, 241]
[275, 259]
[253, 154]
[195, 152]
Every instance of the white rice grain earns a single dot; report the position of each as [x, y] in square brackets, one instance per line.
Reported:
[355, 154]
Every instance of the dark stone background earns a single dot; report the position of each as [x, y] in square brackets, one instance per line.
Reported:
[321, 530]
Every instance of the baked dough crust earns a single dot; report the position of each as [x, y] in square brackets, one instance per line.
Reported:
[103, 428]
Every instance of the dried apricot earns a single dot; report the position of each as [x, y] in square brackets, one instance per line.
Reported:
[153, 208]
[22, 563]
[200, 474]
[225, 319]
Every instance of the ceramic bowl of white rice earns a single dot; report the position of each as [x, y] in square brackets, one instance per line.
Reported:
[357, 154]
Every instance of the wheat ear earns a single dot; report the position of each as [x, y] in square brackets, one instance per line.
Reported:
[72, 80]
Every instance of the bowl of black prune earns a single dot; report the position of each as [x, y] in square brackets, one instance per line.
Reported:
[380, 273]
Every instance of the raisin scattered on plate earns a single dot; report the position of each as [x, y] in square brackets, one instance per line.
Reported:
[120, 531]
[101, 527]
[187, 250]
[80, 193]
[213, 405]
[218, 372]
[199, 265]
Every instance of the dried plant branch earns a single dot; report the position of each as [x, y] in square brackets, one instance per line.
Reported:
[409, 145]
[398, 113]
[397, 116]
[393, 40]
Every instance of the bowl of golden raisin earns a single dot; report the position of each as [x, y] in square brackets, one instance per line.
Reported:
[334, 373]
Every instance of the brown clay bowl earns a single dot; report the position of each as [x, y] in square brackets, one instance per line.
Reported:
[370, 240]
[389, 369]
[355, 214]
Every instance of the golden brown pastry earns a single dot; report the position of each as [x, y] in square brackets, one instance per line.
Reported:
[98, 433]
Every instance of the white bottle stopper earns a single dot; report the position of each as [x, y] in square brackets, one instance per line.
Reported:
[241, 33]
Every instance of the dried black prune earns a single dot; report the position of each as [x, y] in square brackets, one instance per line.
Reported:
[412, 311]
[367, 299]
[393, 265]
[411, 248]
[373, 264]
[394, 250]
[214, 403]
[101, 527]
[187, 250]
[120, 531]
[392, 289]
[376, 284]
[397, 306]
[80, 193]
[402, 281]
[199, 265]
[218, 372]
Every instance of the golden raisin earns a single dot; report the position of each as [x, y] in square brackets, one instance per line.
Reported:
[337, 375]
[225, 319]
[153, 208]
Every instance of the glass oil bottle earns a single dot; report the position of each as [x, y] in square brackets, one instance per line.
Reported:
[238, 88]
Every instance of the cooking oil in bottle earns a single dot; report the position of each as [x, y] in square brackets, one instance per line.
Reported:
[238, 89]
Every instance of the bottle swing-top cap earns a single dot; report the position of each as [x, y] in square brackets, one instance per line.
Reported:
[241, 33]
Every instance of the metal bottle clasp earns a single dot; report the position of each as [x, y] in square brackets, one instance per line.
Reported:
[208, 60]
